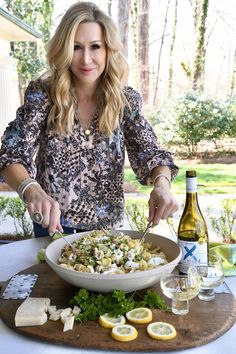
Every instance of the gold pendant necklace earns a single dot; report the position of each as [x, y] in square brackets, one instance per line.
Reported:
[87, 132]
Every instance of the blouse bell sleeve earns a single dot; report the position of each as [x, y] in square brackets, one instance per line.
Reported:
[143, 150]
[22, 136]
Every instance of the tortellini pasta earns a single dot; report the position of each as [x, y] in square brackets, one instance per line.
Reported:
[103, 253]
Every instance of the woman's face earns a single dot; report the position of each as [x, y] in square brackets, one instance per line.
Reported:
[89, 59]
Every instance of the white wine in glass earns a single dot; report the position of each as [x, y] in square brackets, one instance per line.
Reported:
[181, 289]
[212, 276]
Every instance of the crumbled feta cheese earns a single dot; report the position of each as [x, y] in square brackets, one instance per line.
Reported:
[156, 260]
[65, 313]
[55, 315]
[51, 309]
[131, 255]
[98, 254]
[69, 323]
[76, 310]
[131, 265]
[91, 269]
[118, 252]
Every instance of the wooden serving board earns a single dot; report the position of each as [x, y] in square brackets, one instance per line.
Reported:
[205, 322]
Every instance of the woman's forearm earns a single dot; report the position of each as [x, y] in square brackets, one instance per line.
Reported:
[161, 175]
[14, 174]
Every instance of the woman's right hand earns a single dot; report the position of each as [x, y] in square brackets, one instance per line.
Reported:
[38, 201]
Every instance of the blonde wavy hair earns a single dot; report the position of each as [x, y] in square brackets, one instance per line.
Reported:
[109, 94]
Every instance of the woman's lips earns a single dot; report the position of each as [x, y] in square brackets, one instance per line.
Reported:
[86, 71]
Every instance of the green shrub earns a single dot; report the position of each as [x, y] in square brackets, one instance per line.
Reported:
[200, 119]
[194, 118]
[225, 224]
[231, 106]
[16, 209]
[136, 210]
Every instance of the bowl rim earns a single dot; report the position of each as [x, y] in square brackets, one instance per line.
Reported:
[96, 276]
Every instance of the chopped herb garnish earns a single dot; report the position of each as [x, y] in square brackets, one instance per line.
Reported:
[116, 303]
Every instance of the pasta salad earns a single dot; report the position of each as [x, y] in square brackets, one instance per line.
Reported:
[103, 253]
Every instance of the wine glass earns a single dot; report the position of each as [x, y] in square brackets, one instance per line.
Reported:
[212, 275]
[181, 289]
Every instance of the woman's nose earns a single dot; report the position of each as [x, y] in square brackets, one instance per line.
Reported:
[86, 56]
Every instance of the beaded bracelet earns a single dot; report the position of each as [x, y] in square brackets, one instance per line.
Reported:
[161, 175]
[24, 185]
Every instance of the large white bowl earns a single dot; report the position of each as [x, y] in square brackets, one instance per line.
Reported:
[105, 283]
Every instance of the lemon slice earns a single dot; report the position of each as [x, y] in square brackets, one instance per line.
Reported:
[124, 333]
[139, 315]
[161, 330]
[107, 321]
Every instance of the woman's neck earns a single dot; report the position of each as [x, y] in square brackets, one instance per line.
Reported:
[86, 107]
[85, 92]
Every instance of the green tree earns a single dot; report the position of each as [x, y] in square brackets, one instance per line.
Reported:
[143, 47]
[172, 44]
[31, 55]
[14, 207]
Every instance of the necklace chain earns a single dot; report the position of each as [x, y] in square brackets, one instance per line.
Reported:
[87, 131]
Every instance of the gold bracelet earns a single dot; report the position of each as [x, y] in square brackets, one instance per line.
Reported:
[161, 175]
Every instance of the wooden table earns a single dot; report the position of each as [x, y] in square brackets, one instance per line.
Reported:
[17, 256]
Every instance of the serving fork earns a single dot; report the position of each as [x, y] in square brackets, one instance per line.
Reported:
[64, 238]
[149, 225]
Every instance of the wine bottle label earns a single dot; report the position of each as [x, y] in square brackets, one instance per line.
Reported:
[192, 253]
[191, 185]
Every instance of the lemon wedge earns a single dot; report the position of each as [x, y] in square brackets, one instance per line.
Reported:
[124, 333]
[107, 321]
[139, 315]
[161, 330]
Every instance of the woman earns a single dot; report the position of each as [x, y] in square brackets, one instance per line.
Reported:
[77, 120]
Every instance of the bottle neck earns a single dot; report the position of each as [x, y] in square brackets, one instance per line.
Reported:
[191, 185]
[191, 192]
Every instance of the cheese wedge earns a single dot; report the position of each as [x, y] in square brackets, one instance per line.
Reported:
[32, 312]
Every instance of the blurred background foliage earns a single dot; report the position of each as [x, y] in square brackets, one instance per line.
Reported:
[175, 87]
[195, 118]
[31, 55]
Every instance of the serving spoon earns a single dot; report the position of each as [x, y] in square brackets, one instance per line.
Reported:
[145, 232]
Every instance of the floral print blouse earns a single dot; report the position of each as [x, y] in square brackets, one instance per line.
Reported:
[84, 174]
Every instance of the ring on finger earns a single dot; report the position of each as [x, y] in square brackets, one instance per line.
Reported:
[37, 217]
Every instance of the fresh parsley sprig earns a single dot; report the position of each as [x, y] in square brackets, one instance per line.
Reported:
[116, 303]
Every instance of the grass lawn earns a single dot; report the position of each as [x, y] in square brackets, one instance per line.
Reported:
[212, 179]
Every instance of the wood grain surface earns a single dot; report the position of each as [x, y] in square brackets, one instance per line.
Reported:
[205, 322]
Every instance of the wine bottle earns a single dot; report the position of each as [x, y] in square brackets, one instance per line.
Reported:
[192, 230]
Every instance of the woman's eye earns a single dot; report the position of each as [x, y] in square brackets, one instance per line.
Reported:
[95, 46]
[77, 47]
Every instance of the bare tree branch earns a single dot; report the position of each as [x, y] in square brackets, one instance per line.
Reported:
[160, 53]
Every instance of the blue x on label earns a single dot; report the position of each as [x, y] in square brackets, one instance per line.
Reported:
[189, 252]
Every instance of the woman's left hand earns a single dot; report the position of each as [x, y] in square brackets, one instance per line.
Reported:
[162, 203]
